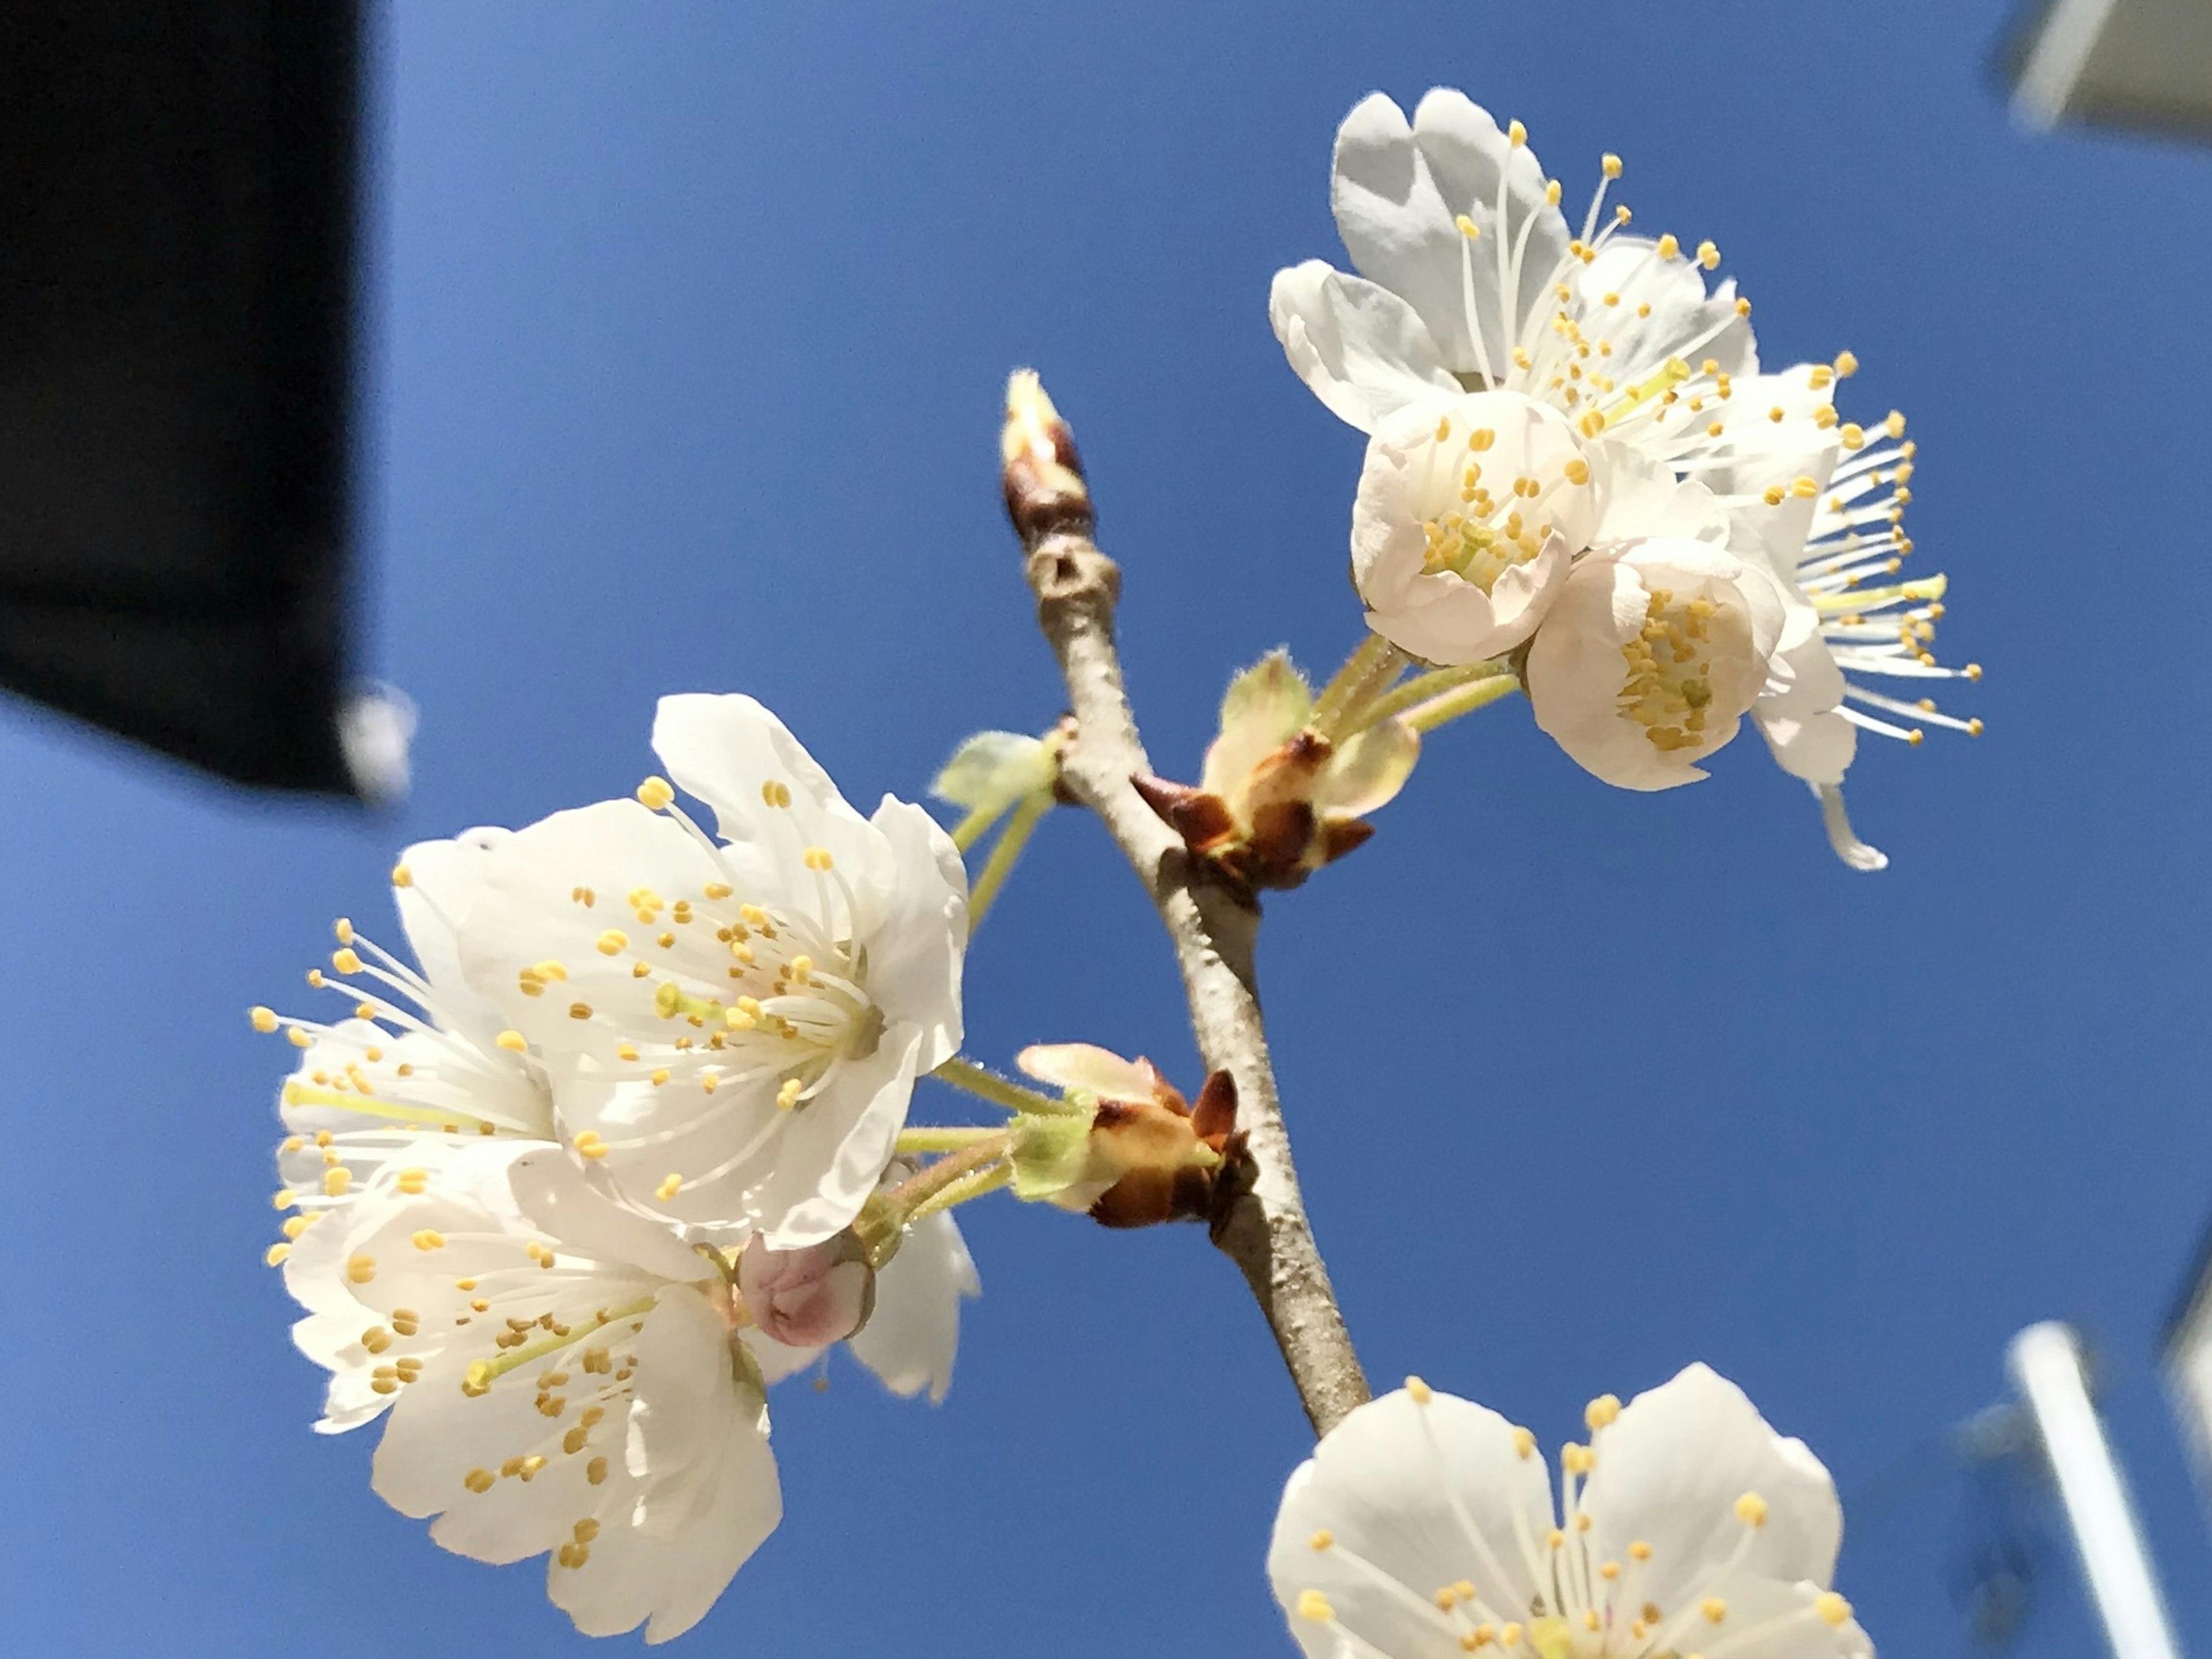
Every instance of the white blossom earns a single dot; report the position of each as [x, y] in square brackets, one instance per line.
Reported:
[734, 1023]
[1651, 656]
[415, 1052]
[563, 1378]
[1424, 1526]
[1471, 278]
[1470, 507]
[1845, 622]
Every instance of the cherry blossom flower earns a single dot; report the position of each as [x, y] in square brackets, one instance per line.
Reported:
[562, 1376]
[1845, 622]
[370, 1084]
[734, 1021]
[1472, 279]
[1139, 1153]
[1651, 657]
[1469, 509]
[1424, 1526]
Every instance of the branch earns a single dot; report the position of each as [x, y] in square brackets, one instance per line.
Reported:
[1264, 1230]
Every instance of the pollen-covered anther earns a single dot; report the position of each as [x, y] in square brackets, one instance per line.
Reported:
[1314, 1605]
[1714, 1608]
[1751, 1509]
[1832, 1607]
[588, 1144]
[656, 793]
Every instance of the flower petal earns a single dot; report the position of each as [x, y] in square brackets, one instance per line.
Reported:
[910, 1339]
[1069, 1067]
[1359, 348]
[1400, 1499]
[1367, 770]
[836, 1145]
[1670, 1473]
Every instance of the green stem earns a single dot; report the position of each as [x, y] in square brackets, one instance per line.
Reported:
[1465, 701]
[1001, 864]
[973, 828]
[987, 1085]
[1419, 689]
[973, 1185]
[1373, 664]
[932, 1140]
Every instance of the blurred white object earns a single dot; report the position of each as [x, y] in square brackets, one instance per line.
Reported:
[2145, 65]
[2045, 1362]
[374, 729]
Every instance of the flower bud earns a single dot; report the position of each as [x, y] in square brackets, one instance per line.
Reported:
[1144, 1155]
[1278, 800]
[809, 1297]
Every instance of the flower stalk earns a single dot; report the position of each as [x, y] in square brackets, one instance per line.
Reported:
[992, 878]
[1213, 929]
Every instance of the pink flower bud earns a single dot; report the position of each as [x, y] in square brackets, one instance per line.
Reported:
[810, 1297]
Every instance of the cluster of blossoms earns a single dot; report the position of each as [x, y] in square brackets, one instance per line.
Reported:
[566, 1197]
[627, 1144]
[1577, 471]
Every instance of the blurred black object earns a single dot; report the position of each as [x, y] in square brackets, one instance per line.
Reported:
[178, 201]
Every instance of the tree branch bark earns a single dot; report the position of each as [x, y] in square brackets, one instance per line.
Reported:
[1213, 928]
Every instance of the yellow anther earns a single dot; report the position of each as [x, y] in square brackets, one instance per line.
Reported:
[296, 1224]
[1742, 306]
[1893, 423]
[1602, 1412]
[710, 1081]
[786, 1094]
[298, 1038]
[1444, 428]
[1576, 1460]
[1772, 495]
[1639, 1551]
[402, 876]
[412, 1182]
[596, 1470]
[428, 1238]
[670, 1185]
[513, 1041]
[336, 1180]
[1832, 1607]
[1804, 487]
[479, 1480]
[656, 793]
[1552, 193]
[613, 942]
[1609, 1570]
[1846, 365]
[626, 1051]
[660, 1076]
[1751, 1509]
[1556, 1539]
[1577, 471]
[1621, 214]
[274, 1255]
[1714, 1608]
[264, 1019]
[1524, 1442]
[1312, 1604]
[360, 1269]
[1515, 134]
[588, 1144]
[1468, 227]
[342, 930]
[1610, 164]
[1420, 1391]
[817, 858]
[775, 793]
[1509, 1636]
[1974, 728]
[1709, 256]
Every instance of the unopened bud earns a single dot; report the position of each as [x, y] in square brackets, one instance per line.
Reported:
[1043, 477]
[809, 1297]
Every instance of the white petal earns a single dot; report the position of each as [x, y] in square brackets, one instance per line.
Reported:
[919, 939]
[910, 1339]
[1360, 348]
[1069, 1067]
[723, 749]
[1670, 1471]
[1405, 1499]
[1849, 847]
[992, 770]
[837, 1145]
[554, 1197]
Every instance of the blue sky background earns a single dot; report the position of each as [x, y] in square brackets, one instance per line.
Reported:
[690, 325]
